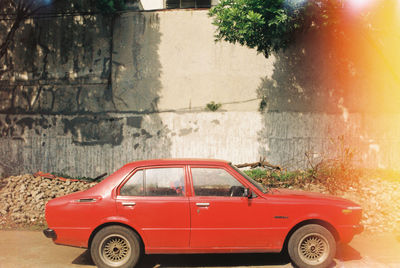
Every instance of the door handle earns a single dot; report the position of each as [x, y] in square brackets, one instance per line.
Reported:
[202, 204]
[128, 204]
[86, 200]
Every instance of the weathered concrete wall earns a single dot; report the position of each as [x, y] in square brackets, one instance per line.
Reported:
[374, 138]
[163, 64]
[90, 145]
[136, 71]
[84, 95]
[196, 70]
[58, 66]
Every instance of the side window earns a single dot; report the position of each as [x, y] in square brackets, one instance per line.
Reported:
[215, 182]
[155, 182]
[134, 187]
[165, 182]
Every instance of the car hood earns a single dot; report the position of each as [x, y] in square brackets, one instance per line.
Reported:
[304, 195]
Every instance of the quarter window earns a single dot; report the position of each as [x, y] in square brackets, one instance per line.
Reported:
[134, 186]
[215, 182]
[155, 182]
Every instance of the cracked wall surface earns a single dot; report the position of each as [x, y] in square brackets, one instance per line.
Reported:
[78, 145]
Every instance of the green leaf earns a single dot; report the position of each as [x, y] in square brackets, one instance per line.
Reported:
[269, 25]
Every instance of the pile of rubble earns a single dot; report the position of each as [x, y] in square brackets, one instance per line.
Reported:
[379, 199]
[23, 198]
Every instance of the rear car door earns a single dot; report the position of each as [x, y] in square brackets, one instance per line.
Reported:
[154, 201]
[221, 216]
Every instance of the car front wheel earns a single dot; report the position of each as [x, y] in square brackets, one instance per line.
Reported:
[312, 246]
[115, 246]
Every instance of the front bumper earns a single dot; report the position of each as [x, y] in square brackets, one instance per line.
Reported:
[347, 232]
[50, 233]
[358, 229]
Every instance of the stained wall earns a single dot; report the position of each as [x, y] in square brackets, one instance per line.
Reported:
[83, 95]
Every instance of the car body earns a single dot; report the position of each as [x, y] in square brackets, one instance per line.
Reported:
[198, 206]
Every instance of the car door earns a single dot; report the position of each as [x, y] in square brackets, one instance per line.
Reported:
[155, 202]
[221, 217]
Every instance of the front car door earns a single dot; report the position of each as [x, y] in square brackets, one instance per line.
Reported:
[155, 203]
[221, 217]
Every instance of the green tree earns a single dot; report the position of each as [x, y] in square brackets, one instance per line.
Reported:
[110, 6]
[271, 25]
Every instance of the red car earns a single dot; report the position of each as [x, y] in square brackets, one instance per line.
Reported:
[198, 206]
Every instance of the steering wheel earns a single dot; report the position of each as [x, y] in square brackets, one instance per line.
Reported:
[236, 191]
[231, 191]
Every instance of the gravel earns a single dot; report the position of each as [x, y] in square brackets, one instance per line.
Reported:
[23, 199]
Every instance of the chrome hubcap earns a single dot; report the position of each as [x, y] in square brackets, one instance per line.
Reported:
[313, 249]
[115, 250]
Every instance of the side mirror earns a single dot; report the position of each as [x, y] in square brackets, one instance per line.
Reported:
[247, 193]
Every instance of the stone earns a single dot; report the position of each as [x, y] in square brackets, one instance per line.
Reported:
[24, 197]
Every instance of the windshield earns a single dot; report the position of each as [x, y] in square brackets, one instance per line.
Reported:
[256, 184]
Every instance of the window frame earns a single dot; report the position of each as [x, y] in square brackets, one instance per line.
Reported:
[127, 179]
[196, 6]
[144, 168]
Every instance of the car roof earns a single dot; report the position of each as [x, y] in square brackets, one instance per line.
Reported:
[178, 161]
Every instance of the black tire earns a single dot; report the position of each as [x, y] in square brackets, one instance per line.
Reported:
[116, 246]
[312, 246]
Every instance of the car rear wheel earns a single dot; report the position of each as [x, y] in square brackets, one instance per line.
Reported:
[312, 246]
[115, 246]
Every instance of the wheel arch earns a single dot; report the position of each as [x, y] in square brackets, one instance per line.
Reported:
[323, 223]
[98, 228]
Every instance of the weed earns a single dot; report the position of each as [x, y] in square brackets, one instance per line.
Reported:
[335, 174]
[256, 173]
[212, 106]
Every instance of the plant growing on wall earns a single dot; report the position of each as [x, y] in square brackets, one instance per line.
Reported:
[212, 106]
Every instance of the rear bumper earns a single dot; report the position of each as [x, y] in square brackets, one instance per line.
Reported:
[75, 237]
[50, 233]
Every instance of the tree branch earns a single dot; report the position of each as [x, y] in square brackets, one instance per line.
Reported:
[261, 163]
[23, 11]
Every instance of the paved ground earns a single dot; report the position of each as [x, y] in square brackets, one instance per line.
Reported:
[31, 249]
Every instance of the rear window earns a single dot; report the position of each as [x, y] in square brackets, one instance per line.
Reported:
[155, 182]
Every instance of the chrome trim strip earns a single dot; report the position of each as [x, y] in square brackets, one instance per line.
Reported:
[202, 204]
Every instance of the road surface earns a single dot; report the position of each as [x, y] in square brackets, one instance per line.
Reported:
[31, 249]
